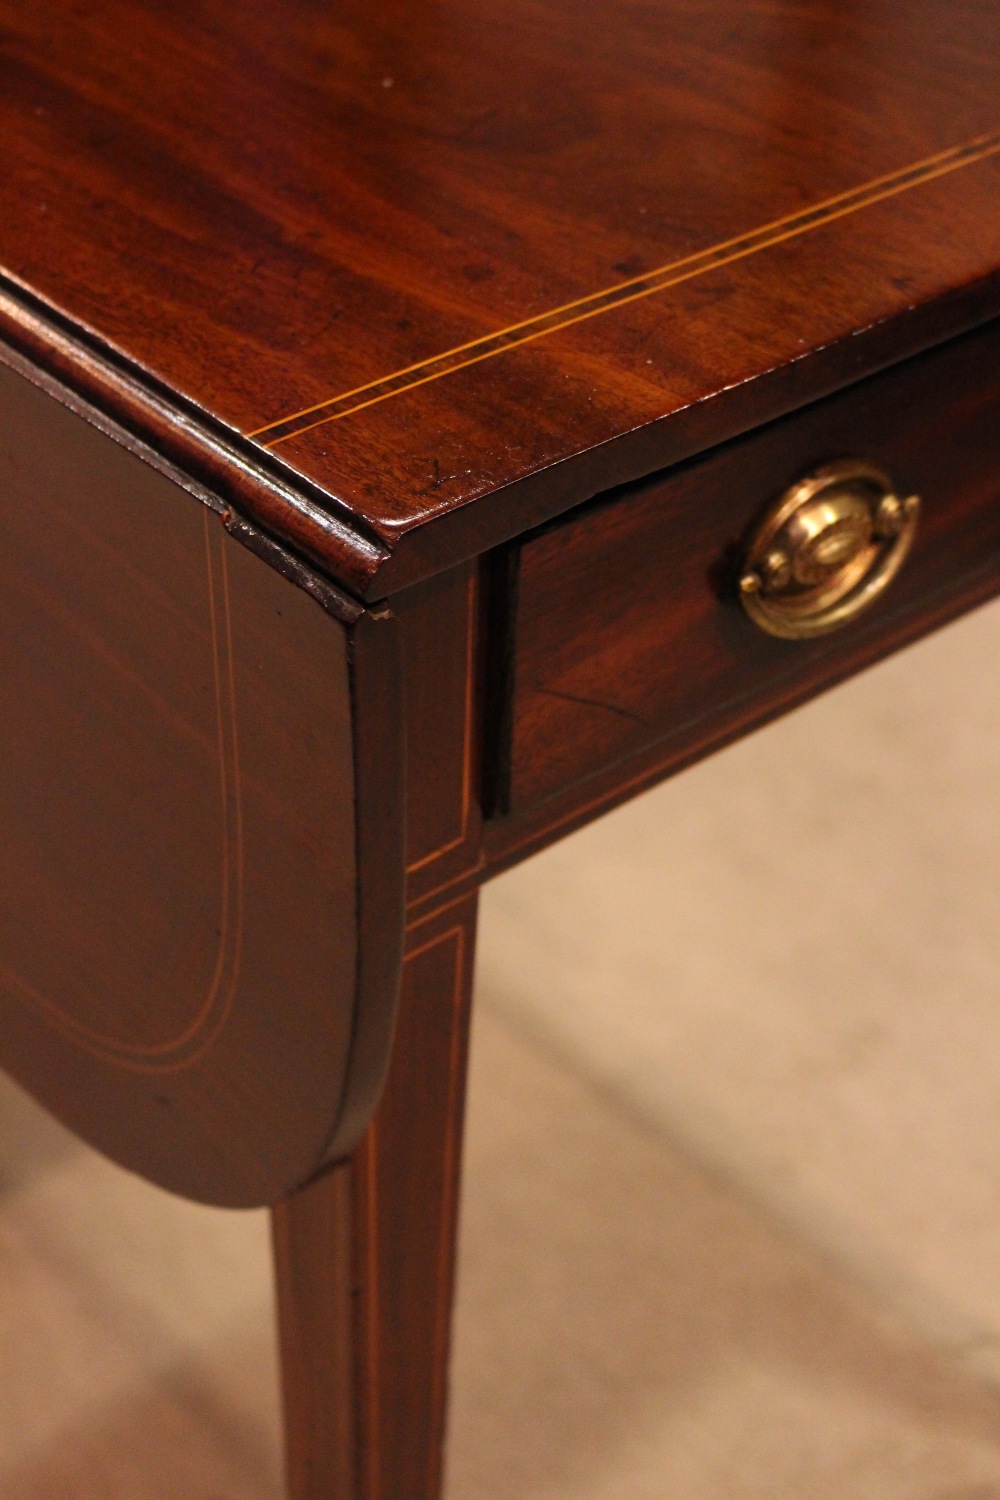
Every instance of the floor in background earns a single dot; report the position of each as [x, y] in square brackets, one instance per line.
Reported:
[732, 1206]
[631, 1330]
[789, 960]
[628, 1329]
[136, 1349]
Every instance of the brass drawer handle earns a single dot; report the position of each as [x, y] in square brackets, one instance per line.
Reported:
[826, 550]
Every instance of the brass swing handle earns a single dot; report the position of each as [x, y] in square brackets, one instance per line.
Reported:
[826, 550]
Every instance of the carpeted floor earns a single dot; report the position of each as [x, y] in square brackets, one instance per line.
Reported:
[732, 1201]
[789, 961]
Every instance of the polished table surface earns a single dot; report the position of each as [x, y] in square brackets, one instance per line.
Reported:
[391, 402]
[446, 269]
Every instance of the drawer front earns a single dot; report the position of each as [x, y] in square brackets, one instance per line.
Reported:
[628, 630]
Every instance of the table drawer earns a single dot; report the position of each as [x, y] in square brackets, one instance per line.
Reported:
[628, 628]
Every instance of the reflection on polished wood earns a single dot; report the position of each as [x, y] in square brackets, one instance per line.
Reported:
[389, 401]
[298, 201]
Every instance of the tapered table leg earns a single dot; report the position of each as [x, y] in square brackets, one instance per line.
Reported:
[365, 1257]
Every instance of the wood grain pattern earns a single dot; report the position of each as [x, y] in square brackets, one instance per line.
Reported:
[200, 917]
[628, 630]
[365, 1257]
[229, 216]
[440, 629]
[634, 289]
[320, 305]
[316, 1302]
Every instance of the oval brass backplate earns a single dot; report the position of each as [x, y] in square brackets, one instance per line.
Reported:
[827, 550]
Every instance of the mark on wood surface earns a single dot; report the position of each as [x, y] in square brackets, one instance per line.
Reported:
[658, 280]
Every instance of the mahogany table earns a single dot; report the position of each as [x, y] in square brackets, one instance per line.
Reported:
[422, 426]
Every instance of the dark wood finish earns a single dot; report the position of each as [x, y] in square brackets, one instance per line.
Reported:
[439, 630]
[378, 734]
[215, 218]
[507, 841]
[316, 1299]
[201, 909]
[629, 632]
[305, 307]
[365, 1257]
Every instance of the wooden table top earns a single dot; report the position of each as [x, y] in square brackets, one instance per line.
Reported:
[442, 269]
